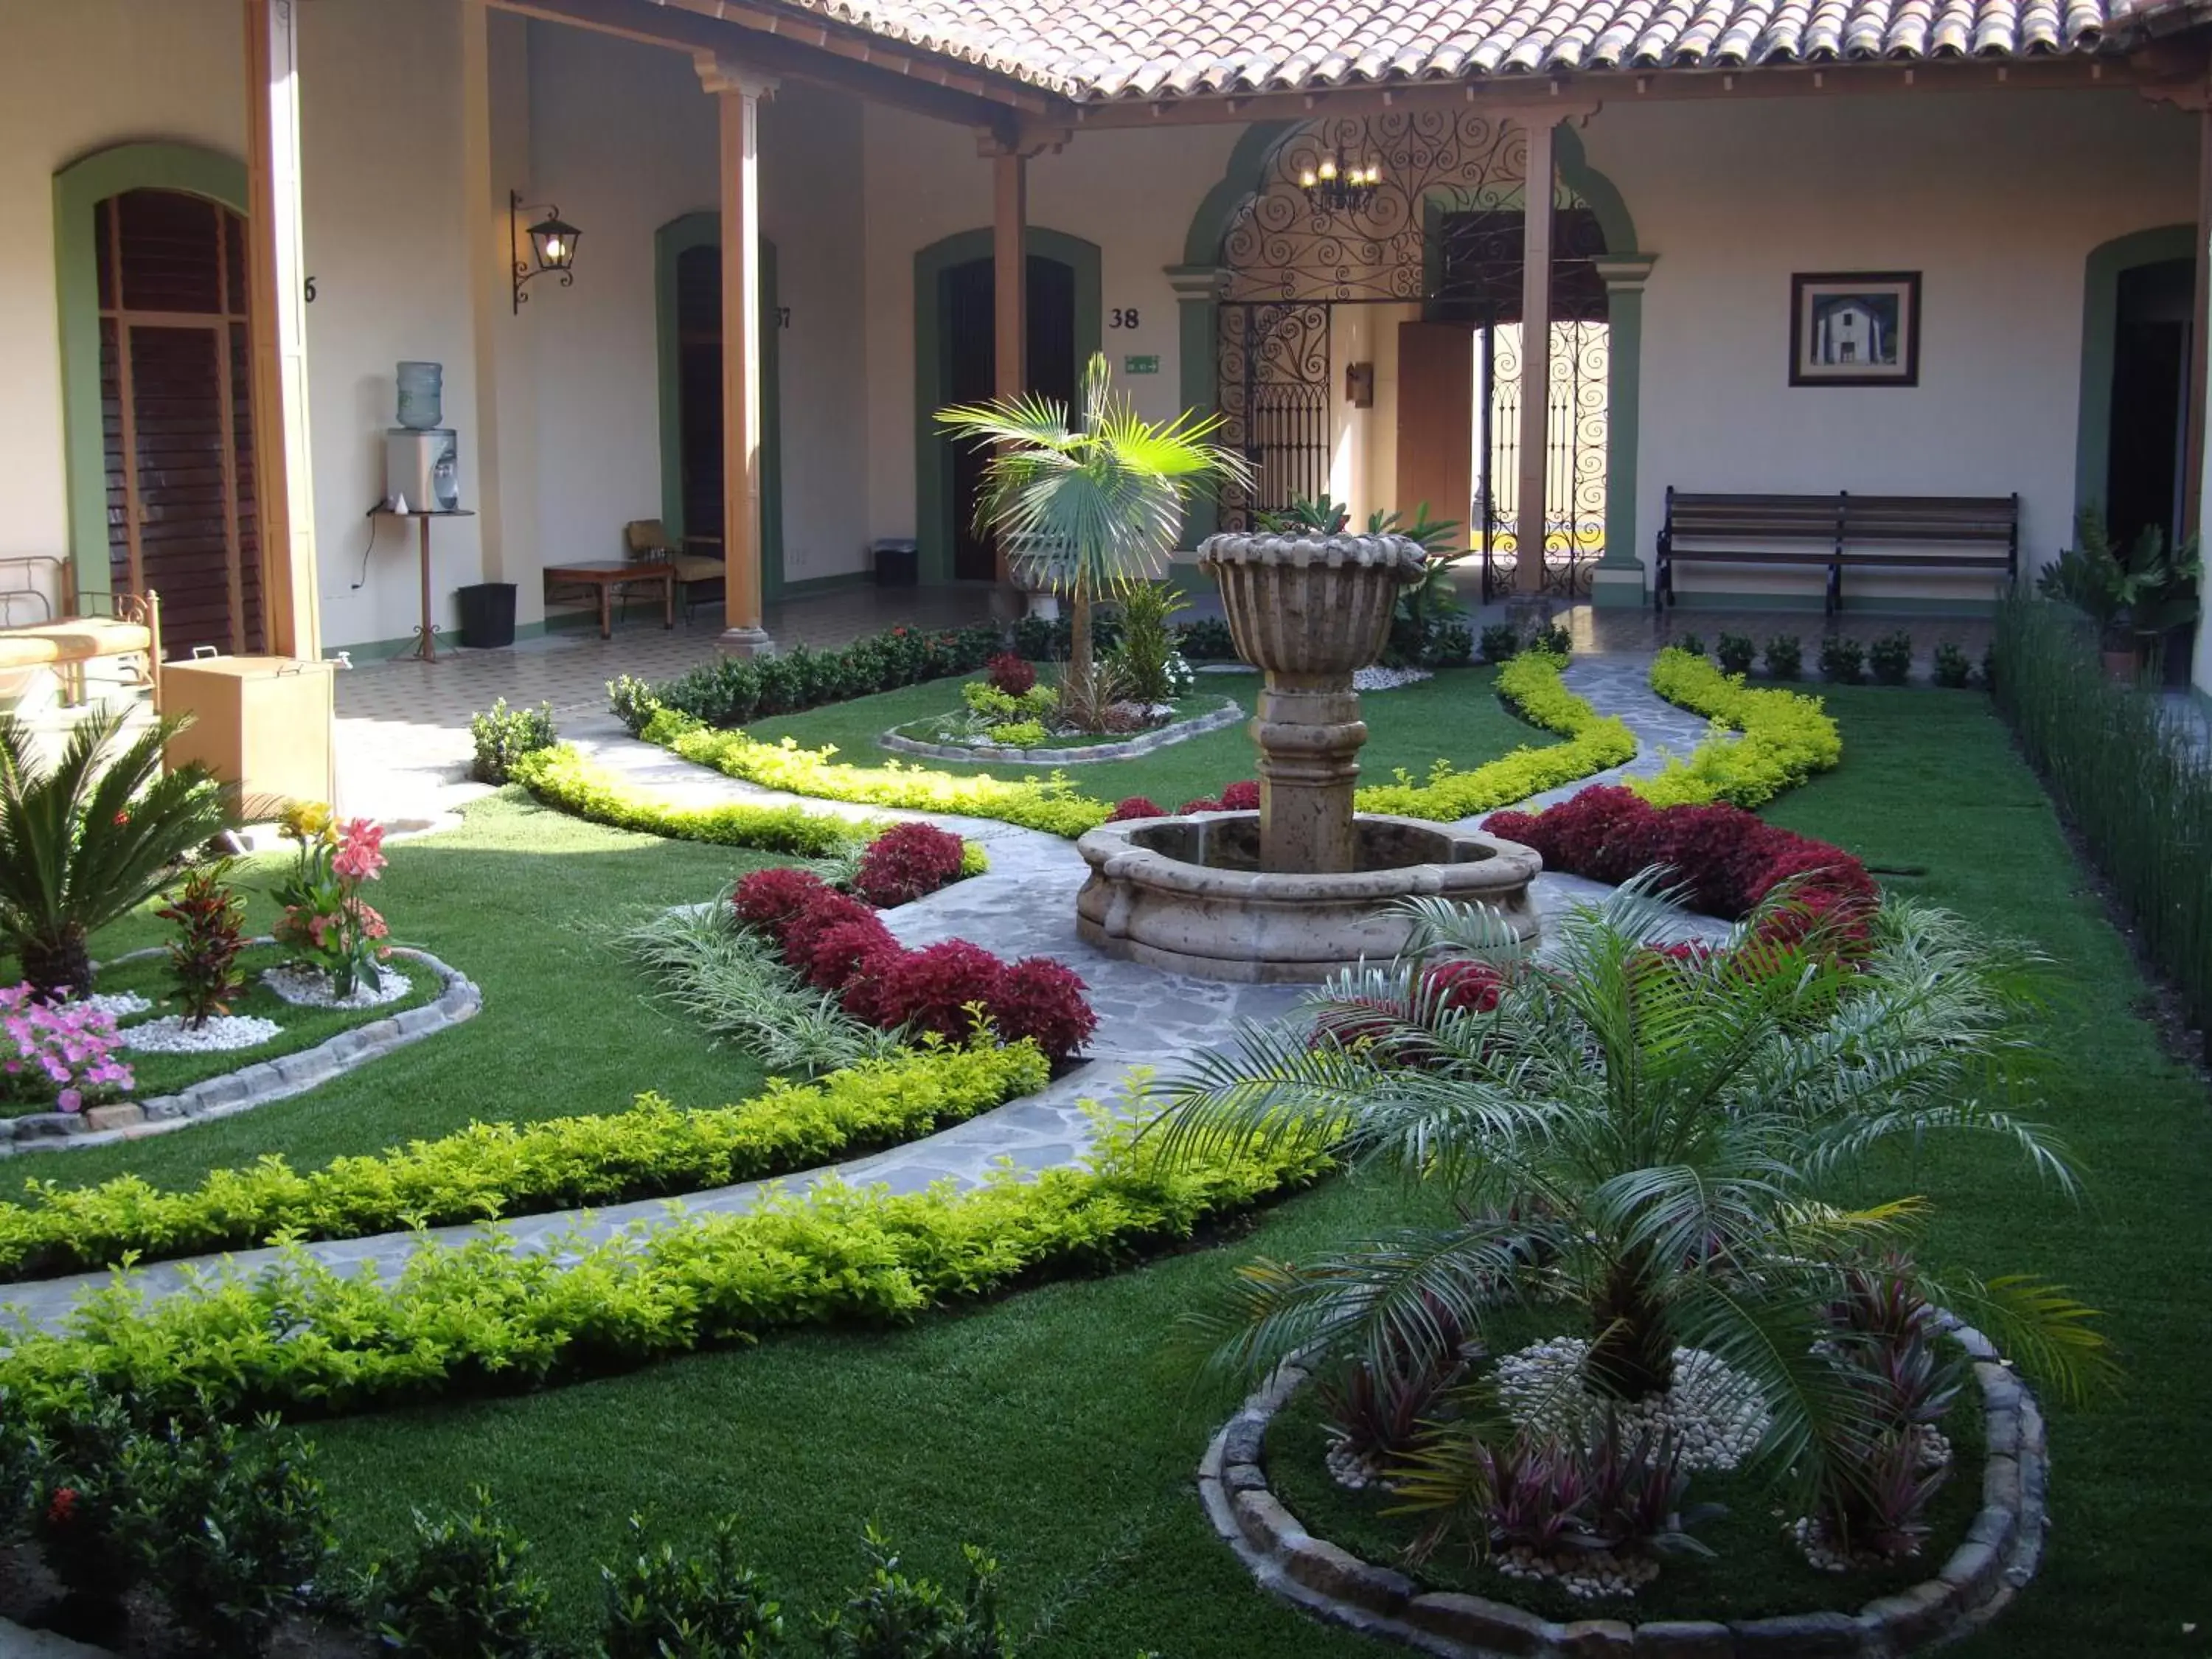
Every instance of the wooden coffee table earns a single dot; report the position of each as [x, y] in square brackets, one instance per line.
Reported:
[608, 575]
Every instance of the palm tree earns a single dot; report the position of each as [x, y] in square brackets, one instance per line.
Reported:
[1659, 1139]
[84, 841]
[1094, 499]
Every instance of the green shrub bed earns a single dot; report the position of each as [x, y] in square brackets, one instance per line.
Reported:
[1530, 683]
[492, 1169]
[1786, 737]
[560, 777]
[310, 1339]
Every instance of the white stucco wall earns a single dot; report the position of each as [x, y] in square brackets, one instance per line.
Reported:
[1998, 198]
[385, 231]
[76, 79]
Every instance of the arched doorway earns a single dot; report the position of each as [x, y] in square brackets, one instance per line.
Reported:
[688, 289]
[955, 357]
[1434, 257]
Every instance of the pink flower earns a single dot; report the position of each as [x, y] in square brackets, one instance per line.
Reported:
[360, 853]
[69, 1101]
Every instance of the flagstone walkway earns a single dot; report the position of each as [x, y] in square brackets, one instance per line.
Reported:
[1024, 906]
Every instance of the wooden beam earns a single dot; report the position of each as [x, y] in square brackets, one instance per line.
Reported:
[283, 481]
[651, 22]
[2192, 449]
[1010, 213]
[1536, 359]
[739, 91]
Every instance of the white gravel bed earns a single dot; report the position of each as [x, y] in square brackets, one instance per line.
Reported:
[173, 1034]
[1388, 679]
[119, 1004]
[1714, 1412]
[310, 988]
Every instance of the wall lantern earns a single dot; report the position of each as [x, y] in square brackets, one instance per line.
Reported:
[1336, 188]
[552, 247]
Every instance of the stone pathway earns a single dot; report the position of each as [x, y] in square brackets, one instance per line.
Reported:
[1024, 906]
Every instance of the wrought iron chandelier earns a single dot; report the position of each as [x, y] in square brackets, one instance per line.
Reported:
[1335, 188]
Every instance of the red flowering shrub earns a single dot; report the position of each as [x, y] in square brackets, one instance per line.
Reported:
[1135, 806]
[770, 899]
[1010, 674]
[930, 989]
[1398, 1029]
[1201, 804]
[906, 861]
[1725, 859]
[1463, 983]
[861, 991]
[1043, 999]
[1240, 797]
[830, 909]
[836, 953]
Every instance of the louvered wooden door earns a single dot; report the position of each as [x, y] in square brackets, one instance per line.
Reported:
[175, 381]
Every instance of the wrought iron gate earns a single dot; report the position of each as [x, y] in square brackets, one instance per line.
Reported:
[1274, 392]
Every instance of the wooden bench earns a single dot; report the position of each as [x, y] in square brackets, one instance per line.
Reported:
[130, 627]
[1834, 533]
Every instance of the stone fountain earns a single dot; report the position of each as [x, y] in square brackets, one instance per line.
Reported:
[1305, 886]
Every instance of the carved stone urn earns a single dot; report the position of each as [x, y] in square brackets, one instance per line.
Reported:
[1308, 609]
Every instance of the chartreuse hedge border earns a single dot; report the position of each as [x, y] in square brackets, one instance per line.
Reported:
[492, 1169]
[1531, 683]
[307, 1338]
[1053, 803]
[1787, 736]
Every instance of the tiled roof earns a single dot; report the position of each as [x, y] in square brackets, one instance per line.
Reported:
[1159, 49]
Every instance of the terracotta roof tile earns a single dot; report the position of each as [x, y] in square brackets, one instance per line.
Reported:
[1147, 49]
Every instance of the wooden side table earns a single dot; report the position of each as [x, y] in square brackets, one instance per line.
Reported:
[425, 636]
[608, 575]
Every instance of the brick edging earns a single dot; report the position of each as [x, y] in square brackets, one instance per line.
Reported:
[1996, 1559]
[1228, 713]
[251, 1086]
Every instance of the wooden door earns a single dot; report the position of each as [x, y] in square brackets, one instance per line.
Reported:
[176, 402]
[1436, 421]
[971, 377]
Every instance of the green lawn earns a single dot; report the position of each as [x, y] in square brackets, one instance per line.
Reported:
[527, 902]
[1060, 1426]
[1456, 716]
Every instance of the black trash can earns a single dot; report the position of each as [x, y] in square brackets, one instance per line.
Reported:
[898, 562]
[487, 615]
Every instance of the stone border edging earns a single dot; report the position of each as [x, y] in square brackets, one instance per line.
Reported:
[251, 1086]
[1197, 726]
[1996, 1559]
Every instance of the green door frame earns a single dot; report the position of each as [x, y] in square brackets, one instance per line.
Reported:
[932, 328]
[676, 238]
[2100, 329]
[78, 188]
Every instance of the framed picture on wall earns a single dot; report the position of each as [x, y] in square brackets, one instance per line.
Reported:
[1855, 328]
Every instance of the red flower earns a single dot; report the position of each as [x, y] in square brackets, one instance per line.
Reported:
[906, 862]
[931, 989]
[1043, 999]
[1240, 797]
[1136, 806]
[770, 899]
[61, 1509]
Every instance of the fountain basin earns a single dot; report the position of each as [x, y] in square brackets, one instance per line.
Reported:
[1187, 894]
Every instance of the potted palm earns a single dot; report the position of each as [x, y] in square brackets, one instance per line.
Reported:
[86, 840]
[2134, 596]
[1093, 497]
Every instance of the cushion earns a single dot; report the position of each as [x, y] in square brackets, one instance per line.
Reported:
[77, 640]
[696, 567]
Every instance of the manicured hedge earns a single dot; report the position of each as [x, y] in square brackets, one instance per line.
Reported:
[306, 1338]
[493, 1169]
[560, 777]
[1530, 682]
[1786, 737]
[731, 691]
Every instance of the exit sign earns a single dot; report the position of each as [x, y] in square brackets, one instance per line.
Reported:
[1140, 365]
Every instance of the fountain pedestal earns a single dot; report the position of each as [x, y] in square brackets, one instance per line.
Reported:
[1305, 887]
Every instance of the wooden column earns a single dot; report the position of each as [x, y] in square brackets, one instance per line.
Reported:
[740, 90]
[2193, 457]
[284, 494]
[1535, 356]
[1010, 215]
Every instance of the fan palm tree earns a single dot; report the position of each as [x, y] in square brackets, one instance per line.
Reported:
[1093, 497]
[85, 840]
[1660, 1139]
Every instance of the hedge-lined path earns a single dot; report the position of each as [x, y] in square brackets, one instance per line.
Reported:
[1620, 686]
[1024, 906]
